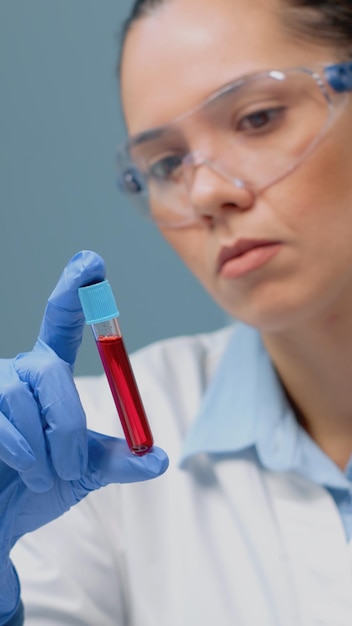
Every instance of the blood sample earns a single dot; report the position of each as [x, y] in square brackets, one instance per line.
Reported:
[101, 314]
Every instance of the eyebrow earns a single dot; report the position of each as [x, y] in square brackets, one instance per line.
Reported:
[153, 133]
[156, 133]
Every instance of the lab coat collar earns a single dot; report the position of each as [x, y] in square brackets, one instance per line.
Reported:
[245, 406]
[242, 398]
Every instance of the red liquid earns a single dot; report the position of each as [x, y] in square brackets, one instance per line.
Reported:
[125, 393]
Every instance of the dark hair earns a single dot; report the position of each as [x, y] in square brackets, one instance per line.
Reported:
[142, 7]
[325, 21]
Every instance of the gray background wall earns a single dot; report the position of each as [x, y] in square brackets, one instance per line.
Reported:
[59, 125]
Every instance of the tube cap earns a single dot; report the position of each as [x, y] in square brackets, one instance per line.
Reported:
[98, 302]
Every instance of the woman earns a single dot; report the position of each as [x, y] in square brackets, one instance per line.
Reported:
[239, 116]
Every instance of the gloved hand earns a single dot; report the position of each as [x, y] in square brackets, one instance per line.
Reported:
[48, 459]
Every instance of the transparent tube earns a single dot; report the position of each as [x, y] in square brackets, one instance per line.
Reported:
[123, 386]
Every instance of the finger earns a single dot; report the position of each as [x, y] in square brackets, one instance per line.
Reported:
[63, 320]
[62, 414]
[19, 407]
[14, 449]
[110, 461]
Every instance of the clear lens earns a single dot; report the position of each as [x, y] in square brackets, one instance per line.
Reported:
[258, 130]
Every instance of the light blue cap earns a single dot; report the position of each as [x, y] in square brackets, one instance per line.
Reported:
[98, 302]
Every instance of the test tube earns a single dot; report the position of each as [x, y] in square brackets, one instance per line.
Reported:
[101, 313]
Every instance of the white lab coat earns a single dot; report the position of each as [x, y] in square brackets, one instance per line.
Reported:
[225, 543]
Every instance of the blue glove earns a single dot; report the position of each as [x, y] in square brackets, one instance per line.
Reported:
[49, 461]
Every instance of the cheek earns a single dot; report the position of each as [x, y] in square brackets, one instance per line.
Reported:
[316, 200]
[190, 245]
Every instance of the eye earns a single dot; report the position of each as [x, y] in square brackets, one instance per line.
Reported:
[260, 120]
[166, 168]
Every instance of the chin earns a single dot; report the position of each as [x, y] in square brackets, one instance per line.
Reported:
[270, 316]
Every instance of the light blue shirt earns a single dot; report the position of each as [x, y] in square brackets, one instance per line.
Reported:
[245, 406]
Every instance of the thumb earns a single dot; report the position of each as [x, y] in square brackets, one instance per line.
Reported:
[110, 461]
[63, 321]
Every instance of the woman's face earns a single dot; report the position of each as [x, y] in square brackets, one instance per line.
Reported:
[176, 57]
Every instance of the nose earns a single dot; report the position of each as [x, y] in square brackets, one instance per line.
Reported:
[213, 193]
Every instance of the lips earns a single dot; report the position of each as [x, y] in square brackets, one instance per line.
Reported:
[246, 255]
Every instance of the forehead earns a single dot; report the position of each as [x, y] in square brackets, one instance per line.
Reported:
[186, 49]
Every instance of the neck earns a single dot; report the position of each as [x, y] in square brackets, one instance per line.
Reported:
[314, 363]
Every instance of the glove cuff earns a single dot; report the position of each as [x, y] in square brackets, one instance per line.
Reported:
[10, 594]
[18, 618]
